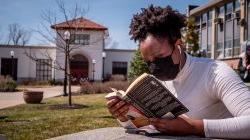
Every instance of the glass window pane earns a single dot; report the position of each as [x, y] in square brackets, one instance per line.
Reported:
[221, 12]
[229, 8]
[237, 5]
[210, 13]
[204, 17]
[43, 70]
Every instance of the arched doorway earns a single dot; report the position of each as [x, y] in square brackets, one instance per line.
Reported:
[79, 67]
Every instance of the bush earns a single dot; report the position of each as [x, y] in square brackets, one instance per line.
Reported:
[117, 77]
[53, 82]
[7, 84]
[86, 88]
[40, 83]
[92, 88]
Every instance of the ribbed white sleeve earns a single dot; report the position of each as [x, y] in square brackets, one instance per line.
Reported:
[226, 86]
[233, 128]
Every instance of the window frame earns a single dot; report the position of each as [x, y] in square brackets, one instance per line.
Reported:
[43, 70]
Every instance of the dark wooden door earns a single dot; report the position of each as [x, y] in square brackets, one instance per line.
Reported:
[9, 67]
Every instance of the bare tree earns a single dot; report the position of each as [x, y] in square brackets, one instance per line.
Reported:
[17, 35]
[52, 32]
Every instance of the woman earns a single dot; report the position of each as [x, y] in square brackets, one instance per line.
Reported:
[218, 100]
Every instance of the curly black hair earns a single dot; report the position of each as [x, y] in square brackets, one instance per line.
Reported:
[158, 21]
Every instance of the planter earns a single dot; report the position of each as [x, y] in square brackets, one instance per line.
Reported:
[33, 97]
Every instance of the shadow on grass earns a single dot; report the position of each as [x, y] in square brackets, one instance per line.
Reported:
[3, 117]
[106, 117]
[66, 106]
[17, 122]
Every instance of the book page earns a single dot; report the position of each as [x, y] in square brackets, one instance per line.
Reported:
[116, 93]
[140, 78]
[152, 98]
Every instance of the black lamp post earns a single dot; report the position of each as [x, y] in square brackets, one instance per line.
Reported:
[12, 54]
[67, 38]
[103, 61]
[93, 63]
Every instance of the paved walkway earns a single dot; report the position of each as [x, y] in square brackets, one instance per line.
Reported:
[8, 99]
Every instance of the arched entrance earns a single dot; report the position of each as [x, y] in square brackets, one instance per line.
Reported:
[79, 67]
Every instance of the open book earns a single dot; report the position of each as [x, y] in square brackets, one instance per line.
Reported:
[149, 98]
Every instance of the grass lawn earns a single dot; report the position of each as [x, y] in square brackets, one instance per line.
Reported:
[46, 120]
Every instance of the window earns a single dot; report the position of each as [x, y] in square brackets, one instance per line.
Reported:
[221, 11]
[204, 21]
[119, 68]
[237, 5]
[209, 16]
[220, 34]
[236, 36]
[204, 17]
[229, 31]
[197, 23]
[198, 27]
[43, 69]
[204, 32]
[229, 8]
[81, 39]
[229, 11]
[209, 34]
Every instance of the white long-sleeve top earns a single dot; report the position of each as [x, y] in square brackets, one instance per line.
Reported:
[213, 92]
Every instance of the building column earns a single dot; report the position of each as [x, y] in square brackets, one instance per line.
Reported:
[213, 35]
[243, 15]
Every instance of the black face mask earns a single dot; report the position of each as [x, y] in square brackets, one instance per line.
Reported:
[164, 68]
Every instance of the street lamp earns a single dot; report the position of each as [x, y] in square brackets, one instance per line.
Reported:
[66, 38]
[103, 60]
[93, 63]
[12, 54]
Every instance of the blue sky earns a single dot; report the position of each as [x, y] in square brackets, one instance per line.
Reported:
[114, 14]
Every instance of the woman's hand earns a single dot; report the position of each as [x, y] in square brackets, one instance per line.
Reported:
[118, 109]
[179, 126]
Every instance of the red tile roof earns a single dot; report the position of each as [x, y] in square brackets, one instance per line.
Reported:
[79, 23]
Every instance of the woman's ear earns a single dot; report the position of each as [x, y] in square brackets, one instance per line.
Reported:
[178, 42]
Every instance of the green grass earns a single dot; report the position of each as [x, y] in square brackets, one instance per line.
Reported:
[41, 121]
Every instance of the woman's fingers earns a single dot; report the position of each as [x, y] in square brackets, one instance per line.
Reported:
[118, 105]
[112, 102]
[123, 111]
[118, 108]
[159, 123]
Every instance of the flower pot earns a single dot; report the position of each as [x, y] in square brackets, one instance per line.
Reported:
[33, 97]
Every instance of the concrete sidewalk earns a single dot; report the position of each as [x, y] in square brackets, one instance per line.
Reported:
[118, 133]
[8, 99]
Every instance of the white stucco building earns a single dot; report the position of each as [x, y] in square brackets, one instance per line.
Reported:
[89, 59]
